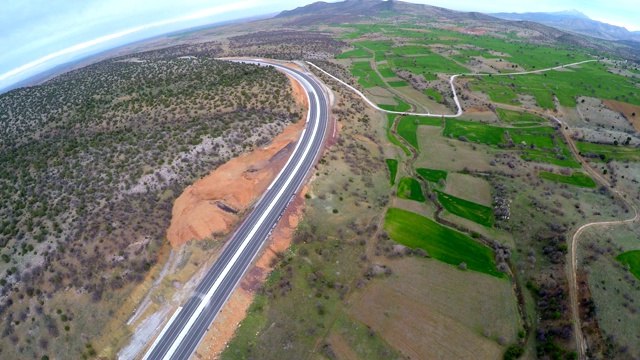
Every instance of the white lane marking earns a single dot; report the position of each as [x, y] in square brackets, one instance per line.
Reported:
[166, 327]
[216, 285]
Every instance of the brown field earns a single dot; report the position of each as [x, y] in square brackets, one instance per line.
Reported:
[431, 310]
[469, 188]
[627, 110]
[341, 347]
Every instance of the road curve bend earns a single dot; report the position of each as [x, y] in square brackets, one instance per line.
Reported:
[186, 328]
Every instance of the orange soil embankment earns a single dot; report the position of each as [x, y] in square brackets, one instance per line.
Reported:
[210, 205]
[207, 207]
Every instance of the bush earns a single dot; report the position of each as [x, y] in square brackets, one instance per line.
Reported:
[513, 352]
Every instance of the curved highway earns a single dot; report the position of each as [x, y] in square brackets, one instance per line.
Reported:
[184, 331]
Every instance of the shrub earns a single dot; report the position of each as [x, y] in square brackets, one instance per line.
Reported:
[513, 352]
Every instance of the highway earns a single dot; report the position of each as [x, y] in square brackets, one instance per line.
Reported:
[186, 328]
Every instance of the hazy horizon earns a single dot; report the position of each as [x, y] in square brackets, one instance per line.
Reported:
[38, 35]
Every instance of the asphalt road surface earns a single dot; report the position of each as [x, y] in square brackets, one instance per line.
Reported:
[184, 331]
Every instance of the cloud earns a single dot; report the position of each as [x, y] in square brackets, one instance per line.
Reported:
[205, 13]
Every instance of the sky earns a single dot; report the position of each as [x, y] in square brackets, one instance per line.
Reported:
[36, 35]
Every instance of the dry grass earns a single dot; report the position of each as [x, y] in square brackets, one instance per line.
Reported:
[431, 310]
[438, 152]
[469, 188]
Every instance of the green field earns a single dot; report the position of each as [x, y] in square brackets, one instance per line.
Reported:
[392, 164]
[440, 242]
[591, 79]
[540, 137]
[577, 178]
[390, 136]
[480, 214]
[631, 258]
[375, 45]
[358, 53]
[433, 93]
[432, 175]
[515, 117]
[408, 126]
[386, 71]
[399, 83]
[475, 132]
[367, 77]
[410, 189]
[399, 107]
[564, 159]
[606, 152]
[426, 64]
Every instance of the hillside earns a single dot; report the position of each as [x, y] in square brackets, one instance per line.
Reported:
[574, 21]
[92, 161]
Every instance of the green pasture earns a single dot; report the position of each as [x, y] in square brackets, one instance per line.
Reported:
[577, 178]
[475, 132]
[358, 53]
[440, 242]
[408, 126]
[591, 79]
[632, 259]
[393, 139]
[432, 175]
[516, 117]
[410, 189]
[392, 164]
[433, 93]
[480, 214]
[386, 71]
[606, 152]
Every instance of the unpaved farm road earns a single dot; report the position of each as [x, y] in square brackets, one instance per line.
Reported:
[573, 258]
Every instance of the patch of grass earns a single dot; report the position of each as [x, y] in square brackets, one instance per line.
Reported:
[434, 94]
[541, 137]
[399, 83]
[549, 157]
[386, 71]
[361, 339]
[409, 124]
[442, 243]
[375, 45]
[358, 53]
[391, 137]
[631, 258]
[432, 175]
[577, 178]
[367, 77]
[606, 152]
[426, 64]
[392, 164]
[475, 132]
[411, 50]
[517, 117]
[410, 189]
[480, 214]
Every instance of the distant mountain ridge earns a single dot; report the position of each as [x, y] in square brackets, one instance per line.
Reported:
[354, 10]
[574, 20]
